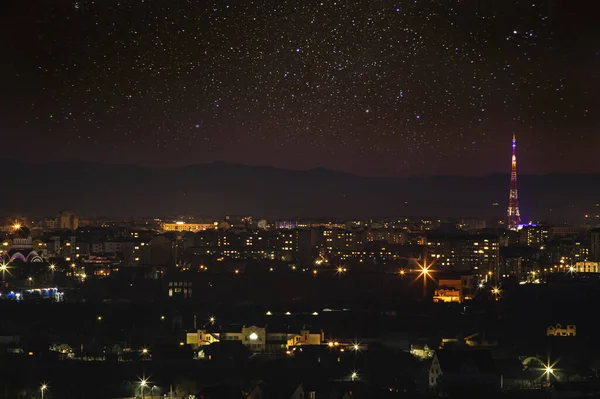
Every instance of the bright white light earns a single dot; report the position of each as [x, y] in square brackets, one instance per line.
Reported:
[253, 337]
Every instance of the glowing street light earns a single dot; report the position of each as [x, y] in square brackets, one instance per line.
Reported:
[143, 384]
[4, 268]
[43, 389]
[340, 270]
[17, 226]
[496, 291]
[548, 369]
[425, 273]
[354, 376]
[212, 320]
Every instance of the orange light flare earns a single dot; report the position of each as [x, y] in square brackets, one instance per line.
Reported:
[340, 270]
[496, 292]
[425, 272]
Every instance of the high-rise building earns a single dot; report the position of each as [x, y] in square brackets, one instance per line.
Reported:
[534, 236]
[514, 215]
[595, 245]
[67, 220]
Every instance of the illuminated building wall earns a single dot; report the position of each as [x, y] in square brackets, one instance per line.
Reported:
[182, 226]
[560, 331]
[586, 267]
[257, 339]
[67, 220]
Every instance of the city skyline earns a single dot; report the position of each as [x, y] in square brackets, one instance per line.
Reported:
[387, 89]
[299, 199]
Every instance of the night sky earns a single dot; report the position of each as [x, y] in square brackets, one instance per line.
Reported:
[380, 87]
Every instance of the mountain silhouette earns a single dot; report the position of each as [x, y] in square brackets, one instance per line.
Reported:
[219, 188]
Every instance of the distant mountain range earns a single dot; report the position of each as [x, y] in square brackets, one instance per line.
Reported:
[217, 188]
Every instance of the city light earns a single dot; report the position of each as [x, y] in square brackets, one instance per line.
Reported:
[548, 369]
[212, 320]
[143, 384]
[253, 336]
[17, 226]
[425, 274]
[354, 376]
[43, 389]
[496, 292]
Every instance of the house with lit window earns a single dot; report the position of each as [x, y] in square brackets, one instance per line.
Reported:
[256, 339]
[569, 330]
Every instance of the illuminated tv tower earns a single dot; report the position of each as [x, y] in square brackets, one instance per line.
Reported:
[514, 216]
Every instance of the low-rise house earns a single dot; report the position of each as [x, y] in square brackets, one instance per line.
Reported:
[462, 367]
[560, 331]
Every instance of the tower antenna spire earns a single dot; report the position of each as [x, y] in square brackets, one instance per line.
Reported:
[514, 215]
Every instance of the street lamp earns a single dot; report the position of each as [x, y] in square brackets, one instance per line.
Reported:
[143, 384]
[4, 268]
[496, 291]
[43, 389]
[548, 370]
[426, 273]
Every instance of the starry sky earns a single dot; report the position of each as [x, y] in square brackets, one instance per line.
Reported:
[376, 88]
